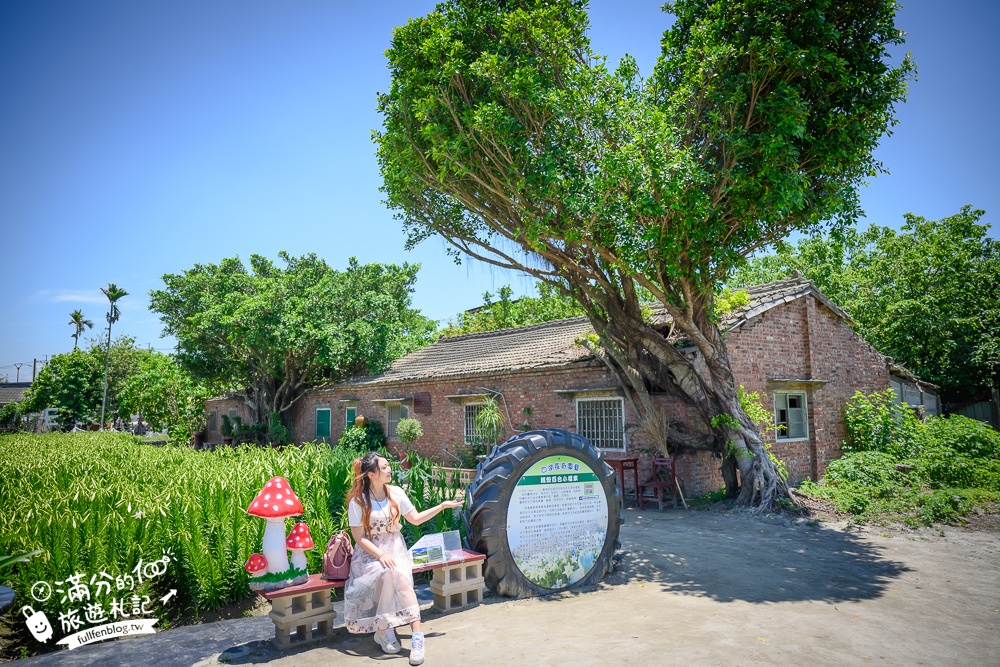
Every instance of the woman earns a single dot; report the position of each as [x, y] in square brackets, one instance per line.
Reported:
[379, 593]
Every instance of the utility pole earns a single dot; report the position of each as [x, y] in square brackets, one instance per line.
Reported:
[18, 367]
[34, 370]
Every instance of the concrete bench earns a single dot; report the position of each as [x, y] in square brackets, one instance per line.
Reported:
[304, 613]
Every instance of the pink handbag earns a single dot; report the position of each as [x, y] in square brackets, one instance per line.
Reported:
[337, 559]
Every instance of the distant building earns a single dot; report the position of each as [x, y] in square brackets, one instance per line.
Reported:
[12, 392]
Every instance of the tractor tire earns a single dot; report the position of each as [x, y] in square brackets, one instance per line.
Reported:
[489, 496]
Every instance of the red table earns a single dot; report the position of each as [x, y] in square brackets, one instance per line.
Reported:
[622, 466]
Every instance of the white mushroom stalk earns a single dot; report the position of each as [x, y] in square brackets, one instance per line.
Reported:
[298, 541]
[273, 546]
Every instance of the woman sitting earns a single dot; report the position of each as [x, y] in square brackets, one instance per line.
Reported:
[379, 592]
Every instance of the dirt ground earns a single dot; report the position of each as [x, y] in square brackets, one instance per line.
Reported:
[710, 588]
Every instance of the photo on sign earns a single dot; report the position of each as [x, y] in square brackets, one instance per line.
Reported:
[557, 522]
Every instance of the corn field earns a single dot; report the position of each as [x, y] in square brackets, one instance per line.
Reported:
[99, 504]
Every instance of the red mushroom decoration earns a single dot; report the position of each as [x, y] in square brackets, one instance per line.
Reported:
[298, 541]
[256, 566]
[275, 502]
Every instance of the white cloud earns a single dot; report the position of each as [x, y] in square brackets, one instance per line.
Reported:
[72, 296]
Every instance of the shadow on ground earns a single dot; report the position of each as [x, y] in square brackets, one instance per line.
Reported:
[729, 557]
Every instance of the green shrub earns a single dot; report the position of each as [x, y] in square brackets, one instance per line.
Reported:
[277, 432]
[863, 468]
[943, 506]
[371, 438]
[875, 423]
[963, 435]
[954, 465]
[409, 430]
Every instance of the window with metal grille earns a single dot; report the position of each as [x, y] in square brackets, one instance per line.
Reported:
[790, 415]
[393, 413]
[473, 435]
[602, 421]
[350, 414]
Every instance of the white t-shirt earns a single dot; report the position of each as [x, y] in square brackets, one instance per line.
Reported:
[405, 506]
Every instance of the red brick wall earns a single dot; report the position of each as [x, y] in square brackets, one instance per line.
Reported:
[221, 406]
[801, 339]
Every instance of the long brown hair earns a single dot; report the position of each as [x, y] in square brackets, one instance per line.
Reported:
[361, 491]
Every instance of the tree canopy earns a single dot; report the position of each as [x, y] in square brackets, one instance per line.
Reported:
[273, 331]
[72, 382]
[508, 136]
[166, 397]
[927, 295]
[506, 312]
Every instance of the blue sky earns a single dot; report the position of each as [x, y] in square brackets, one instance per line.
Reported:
[140, 138]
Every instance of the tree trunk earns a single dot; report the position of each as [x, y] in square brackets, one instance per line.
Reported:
[640, 356]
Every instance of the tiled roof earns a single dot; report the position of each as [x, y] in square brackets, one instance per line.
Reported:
[551, 344]
[12, 392]
[536, 346]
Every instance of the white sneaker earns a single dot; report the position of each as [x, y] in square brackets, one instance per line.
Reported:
[387, 640]
[417, 650]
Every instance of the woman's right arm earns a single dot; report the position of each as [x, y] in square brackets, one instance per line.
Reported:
[382, 557]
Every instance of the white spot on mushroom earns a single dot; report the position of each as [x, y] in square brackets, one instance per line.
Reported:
[289, 502]
[278, 496]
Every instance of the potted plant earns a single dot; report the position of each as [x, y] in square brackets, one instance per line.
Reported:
[407, 430]
[490, 427]
[226, 430]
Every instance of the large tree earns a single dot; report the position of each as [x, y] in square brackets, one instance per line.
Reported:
[271, 332]
[70, 383]
[508, 136]
[927, 295]
[166, 396]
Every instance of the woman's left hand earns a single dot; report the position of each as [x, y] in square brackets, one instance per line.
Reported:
[451, 504]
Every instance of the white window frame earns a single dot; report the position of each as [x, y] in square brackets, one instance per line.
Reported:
[596, 441]
[348, 422]
[784, 436]
[390, 423]
[471, 437]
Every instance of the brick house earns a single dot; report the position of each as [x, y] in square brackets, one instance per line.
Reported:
[791, 343]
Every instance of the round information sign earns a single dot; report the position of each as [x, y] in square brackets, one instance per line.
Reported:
[557, 521]
[546, 511]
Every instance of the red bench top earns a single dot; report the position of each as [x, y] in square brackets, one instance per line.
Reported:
[318, 583]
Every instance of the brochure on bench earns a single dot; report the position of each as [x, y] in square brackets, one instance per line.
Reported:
[437, 548]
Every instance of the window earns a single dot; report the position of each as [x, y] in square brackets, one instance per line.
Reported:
[233, 413]
[790, 415]
[350, 414]
[602, 421]
[393, 413]
[213, 421]
[322, 423]
[473, 435]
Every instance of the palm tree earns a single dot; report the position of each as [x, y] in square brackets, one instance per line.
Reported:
[76, 319]
[113, 292]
